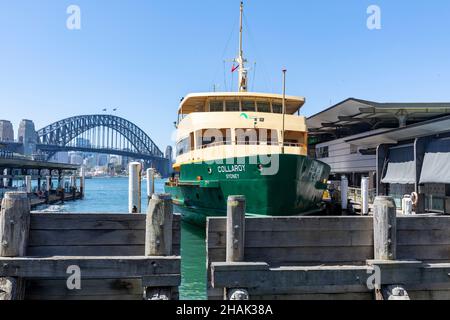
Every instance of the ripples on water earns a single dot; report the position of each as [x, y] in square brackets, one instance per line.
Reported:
[111, 196]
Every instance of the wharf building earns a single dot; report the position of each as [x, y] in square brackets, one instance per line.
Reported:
[403, 148]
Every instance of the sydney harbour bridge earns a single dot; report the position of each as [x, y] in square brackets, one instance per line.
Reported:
[106, 134]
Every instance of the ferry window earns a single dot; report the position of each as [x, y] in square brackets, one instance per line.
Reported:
[264, 107]
[277, 108]
[184, 146]
[268, 137]
[248, 106]
[294, 138]
[232, 106]
[213, 137]
[246, 137]
[216, 106]
[323, 152]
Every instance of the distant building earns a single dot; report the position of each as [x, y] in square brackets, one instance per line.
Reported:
[169, 157]
[76, 158]
[6, 131]
[27, 136]
[115, 160]
[102, 160]
[60, 157]
[89, 162]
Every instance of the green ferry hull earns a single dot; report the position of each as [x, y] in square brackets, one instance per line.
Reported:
[295, 188]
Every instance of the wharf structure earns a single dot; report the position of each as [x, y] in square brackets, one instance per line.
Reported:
[403, 148]
[107, 256]
[44, 182]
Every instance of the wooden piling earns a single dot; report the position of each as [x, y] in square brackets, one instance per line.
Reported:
[385, 228]
[28, 184]
[158, 238]
[134, 187]
[236, 228]
[14, 229]
[385, 246]
[236, 208]
[150, 183]
[82, 181]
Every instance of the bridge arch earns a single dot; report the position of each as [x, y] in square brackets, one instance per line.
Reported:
[105, 133]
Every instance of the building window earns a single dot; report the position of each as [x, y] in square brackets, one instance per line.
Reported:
[323, 152]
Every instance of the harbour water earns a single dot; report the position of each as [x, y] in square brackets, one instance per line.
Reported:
[110, 195]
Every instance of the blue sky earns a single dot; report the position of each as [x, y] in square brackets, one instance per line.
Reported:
[142, 56]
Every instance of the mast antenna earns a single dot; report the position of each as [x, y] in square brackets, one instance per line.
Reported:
[243, 72]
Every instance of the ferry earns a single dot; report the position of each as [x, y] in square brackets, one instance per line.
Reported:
[244, 143]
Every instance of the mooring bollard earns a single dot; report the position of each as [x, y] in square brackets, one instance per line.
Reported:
[134, 187]
[14, 229]
[150, 183]
[236, 208]
[158, 237]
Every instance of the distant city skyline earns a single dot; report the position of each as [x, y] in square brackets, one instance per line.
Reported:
[142, 57]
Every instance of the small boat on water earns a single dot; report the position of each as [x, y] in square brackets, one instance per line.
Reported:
[244, 143]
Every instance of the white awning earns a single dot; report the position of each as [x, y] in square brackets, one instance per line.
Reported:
[436, 168]
[400, 173]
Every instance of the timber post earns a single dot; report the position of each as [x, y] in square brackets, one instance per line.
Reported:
[158, 238]
[82, 182]
[134, 187]
[385, 245]
[385, 229]
[48, 188]
[236, 208]
[150, 183]
[14, 229]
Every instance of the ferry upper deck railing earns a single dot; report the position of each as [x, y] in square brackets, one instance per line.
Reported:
[252, 143]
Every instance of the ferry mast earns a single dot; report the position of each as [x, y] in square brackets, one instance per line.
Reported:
[240, 60]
